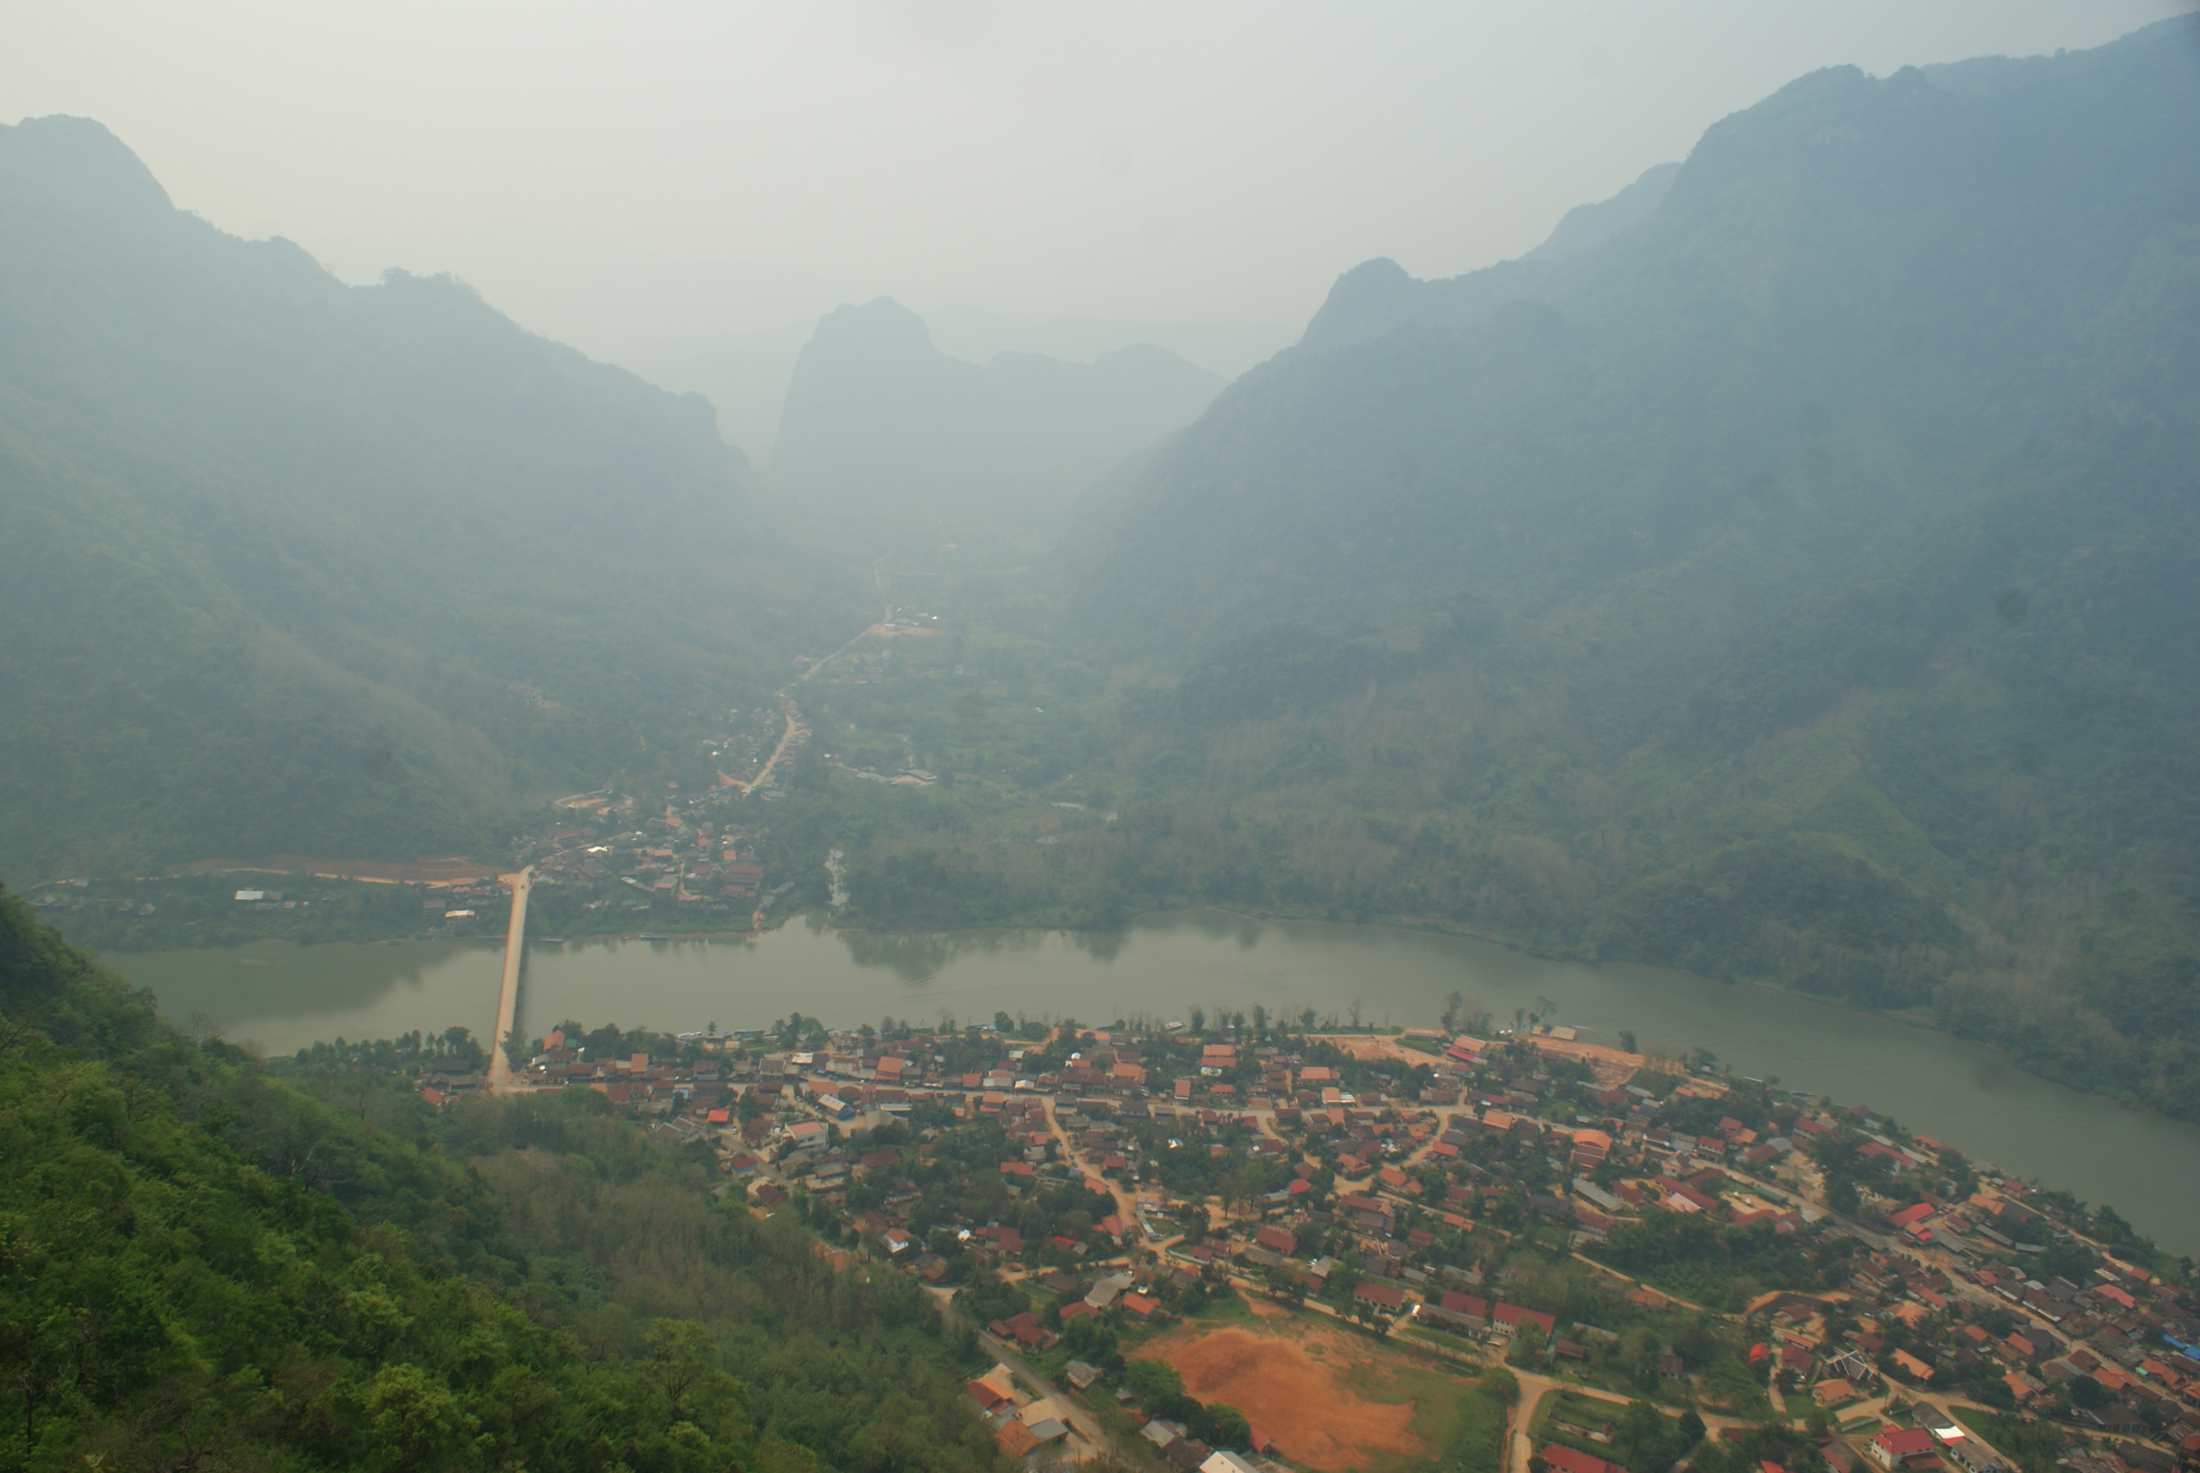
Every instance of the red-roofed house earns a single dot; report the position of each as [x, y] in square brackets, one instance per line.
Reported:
[1515, 1318]
[1897, 1447]
[1025, 1330]
[1563, 1459]
[1382, 1296]
[1455, 1305]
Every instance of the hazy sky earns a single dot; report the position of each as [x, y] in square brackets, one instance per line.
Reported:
[684, 186]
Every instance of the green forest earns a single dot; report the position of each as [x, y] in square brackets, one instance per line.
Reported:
[202, 1266]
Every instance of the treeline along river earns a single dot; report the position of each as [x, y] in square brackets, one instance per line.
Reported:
[280, 997]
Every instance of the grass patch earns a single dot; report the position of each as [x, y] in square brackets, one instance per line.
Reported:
[2034, 1446]
[1226, 1308]
[1458, 1344]
[1562, 1410]
[1731, 1386]
[1433, 1393]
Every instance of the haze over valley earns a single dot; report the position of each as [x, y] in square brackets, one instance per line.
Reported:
[948, 738]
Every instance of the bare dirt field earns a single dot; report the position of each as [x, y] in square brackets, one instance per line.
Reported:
[1307, 1387]
[1611, 1066]
[1374, 1047]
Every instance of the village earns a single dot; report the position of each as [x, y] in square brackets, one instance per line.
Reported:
[1222, 1244]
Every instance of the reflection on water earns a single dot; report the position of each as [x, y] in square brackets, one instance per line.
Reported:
[282, 997]
[279, 997]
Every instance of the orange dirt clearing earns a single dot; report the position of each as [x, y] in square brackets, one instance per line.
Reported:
[453, 869]
[1611, 1066]
[1375, 1047]
[1297, 1390]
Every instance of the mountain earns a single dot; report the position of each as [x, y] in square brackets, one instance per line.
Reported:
[884, 435]
[290, 564]
[212, 1266]
[1786, 572]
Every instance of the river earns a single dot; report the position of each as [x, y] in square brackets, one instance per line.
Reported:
[279, 996]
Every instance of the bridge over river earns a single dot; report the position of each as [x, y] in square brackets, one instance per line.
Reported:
[515, 948]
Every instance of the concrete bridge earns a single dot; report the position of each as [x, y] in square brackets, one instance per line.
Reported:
[515, 947]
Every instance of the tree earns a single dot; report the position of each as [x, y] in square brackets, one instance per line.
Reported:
[1455, 1003]
[1627, 1041]
[1160, 1391]
[417, 1421]
[1221, 1426]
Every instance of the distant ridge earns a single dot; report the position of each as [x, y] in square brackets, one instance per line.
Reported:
[1786, 571]
[884, 434]
[288, 564]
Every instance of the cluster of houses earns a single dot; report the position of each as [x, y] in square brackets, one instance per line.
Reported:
[671, 863]
[1134, 1165]
[1027, 1426]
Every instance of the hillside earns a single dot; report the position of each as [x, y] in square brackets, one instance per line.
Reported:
[205, 1267]
[292, 564]
[884, 436]
[1787, 573]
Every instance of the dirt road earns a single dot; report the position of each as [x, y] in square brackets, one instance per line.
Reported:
[447, 870]
[794, 733]
[1125, 1206]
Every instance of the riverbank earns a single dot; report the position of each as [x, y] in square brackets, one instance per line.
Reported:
[1923, 1018]
[281, 997]
[197, 912]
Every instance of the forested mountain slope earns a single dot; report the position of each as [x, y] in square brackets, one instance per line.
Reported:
[290, 564]
[1792, 576]
[202, 1267]
[884, 436]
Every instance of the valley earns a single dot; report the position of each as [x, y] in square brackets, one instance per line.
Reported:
[1590, 865]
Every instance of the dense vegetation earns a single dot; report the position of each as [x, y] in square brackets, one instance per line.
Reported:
[1789, 578]
[201, 1266]
[290, 565]
[1723, 1267]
